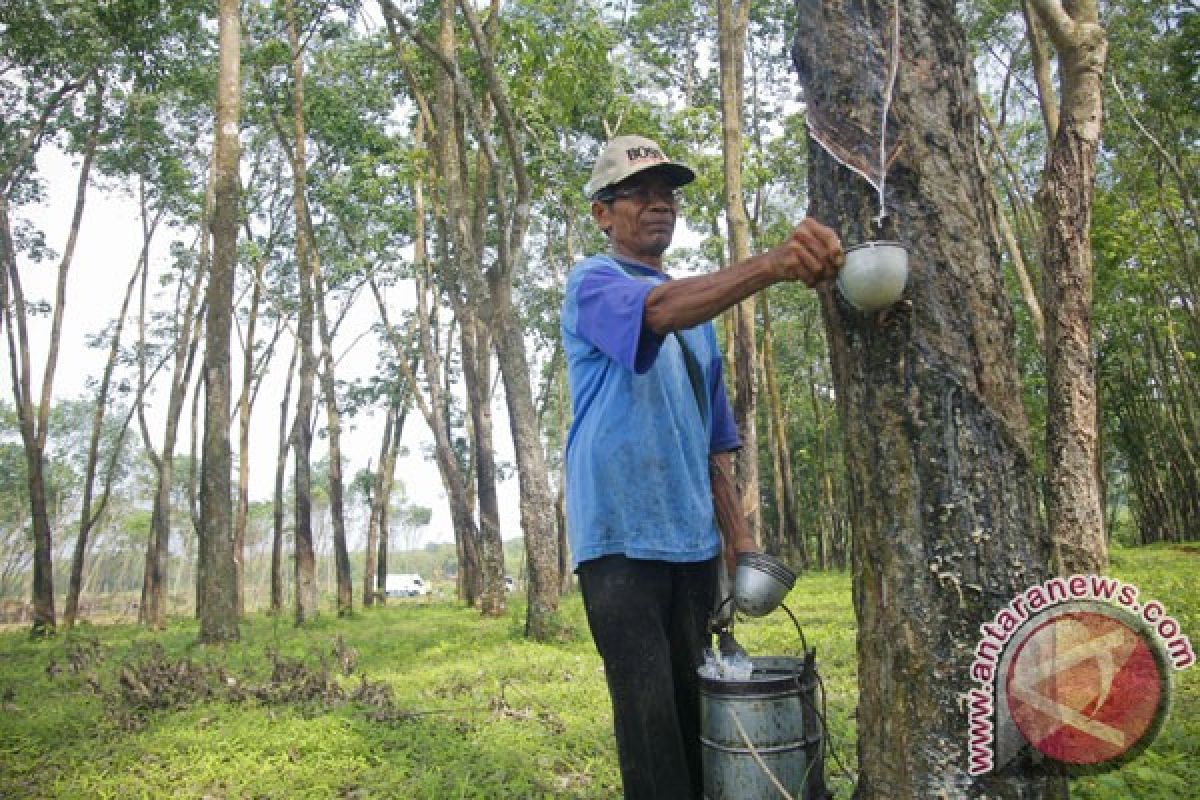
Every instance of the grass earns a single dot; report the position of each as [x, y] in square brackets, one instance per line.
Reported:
[436, 703]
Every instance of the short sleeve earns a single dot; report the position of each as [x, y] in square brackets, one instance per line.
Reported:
[608, 308]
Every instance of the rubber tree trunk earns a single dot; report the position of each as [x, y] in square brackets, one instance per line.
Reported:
[732, 21]
[34, 418]
[218, 611]
[88, 515]
[1073, 497]
[277, 498]
[333, 417]
[371, 555]
[944, 505]
[476, 363]
[245, 405]
[153, 610]
[306, 561]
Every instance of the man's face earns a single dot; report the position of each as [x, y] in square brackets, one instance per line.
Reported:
[640, 217]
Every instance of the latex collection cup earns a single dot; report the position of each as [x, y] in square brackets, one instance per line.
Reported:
[760, 583]
[874, 275]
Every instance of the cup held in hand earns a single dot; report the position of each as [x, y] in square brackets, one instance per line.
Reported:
[760, 583]
[874, 275]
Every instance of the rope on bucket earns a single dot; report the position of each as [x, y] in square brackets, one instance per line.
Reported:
[758, 759]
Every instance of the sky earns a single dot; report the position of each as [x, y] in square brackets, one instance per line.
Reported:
[105, 257]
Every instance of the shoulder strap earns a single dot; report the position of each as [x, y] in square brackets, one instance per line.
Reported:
[695, 376]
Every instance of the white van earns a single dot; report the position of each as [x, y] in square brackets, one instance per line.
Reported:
[405, 585]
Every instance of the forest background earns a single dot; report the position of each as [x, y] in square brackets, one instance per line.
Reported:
[356, 215]
[126, 91]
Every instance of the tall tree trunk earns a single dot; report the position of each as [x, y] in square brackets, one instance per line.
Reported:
[477, 375]
[476, 357]
[381, 501]
[1073, 503]
[374, 583]
[218, 614]
[333, 417]
[944, 509]
[88, 515]
[305, 557]
[371, 554]
[153, 609]
[537, 510]
[490, 289]
[732, 20]
[277, 498]
[790, 537]
[193, 490]
[33, 419]
[244, 406]
[466, 531]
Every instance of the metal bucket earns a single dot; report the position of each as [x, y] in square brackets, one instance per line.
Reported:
[767, 723]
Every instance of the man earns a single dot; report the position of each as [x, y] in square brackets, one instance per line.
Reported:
[649, 464]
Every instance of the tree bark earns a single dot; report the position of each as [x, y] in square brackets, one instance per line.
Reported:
[1073, 502]
[477, 354]
[333, 417]
[88, 515]
[305, 558]
[382, 500]
[244, 406]
[153, 609]
[944, 509]
[489, 289]
[277, 496]
[218, 612]
[371, 555]
[789, 536]
[33, 420]
[732, 20]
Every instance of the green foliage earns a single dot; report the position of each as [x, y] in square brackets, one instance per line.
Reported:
[473, 711]
[429, 700]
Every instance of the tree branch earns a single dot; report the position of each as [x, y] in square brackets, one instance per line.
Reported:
[1059, 24]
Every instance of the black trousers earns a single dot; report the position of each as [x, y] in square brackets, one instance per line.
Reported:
[649, 620]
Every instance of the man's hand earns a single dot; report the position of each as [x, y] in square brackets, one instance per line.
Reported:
[812, 254]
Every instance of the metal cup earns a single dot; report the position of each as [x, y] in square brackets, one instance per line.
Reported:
[760, 583]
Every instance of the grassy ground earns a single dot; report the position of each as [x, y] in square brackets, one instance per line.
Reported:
[424, 700]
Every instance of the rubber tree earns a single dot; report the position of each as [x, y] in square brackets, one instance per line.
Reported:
[733, 18]
[488, 283]
[944, 500]
[1147, 242]
[1074, 507]
[305, 606]
[216, 584]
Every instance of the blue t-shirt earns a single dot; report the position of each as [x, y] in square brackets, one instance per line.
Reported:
[637, 452]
